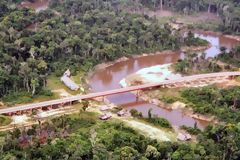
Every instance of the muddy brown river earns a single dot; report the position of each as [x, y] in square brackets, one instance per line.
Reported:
[109, 78]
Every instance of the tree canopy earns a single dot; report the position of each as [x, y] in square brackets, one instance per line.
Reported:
[86, 31]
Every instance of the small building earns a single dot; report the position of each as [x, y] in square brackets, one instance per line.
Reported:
[68, 81]
[67, 73]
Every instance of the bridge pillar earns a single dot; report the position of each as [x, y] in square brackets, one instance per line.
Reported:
[103, 99]
[231, 77]
[9, 114]
[137, 95]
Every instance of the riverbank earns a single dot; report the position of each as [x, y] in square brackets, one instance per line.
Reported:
[26, 122]
[214, 33]
[102, 66]
[152, 74]
[154, 98]
[109, 75]
[108, 64]
[171, 98]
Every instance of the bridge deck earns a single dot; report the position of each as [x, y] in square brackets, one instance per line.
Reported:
[116, 91]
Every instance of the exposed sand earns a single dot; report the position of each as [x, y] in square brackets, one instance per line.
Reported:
[56, 112]
[21, 119]
[193, 48]
[62, 93]
[150, 131]
[178, 105]
[233, 37]
[158, 13]
[152, 74]
[1, 104]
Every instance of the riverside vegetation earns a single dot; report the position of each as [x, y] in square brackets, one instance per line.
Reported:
[227, 10]
[87, 33]
[81, 136]
[156, 121]
[195, 63]
[232, 57]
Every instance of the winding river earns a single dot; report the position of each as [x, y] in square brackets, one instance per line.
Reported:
[109, 78]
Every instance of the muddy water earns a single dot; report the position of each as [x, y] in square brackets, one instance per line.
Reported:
[217, 41]
[109, 78]
[38, 5]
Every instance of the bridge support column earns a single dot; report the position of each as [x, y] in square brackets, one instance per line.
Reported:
[232, 77]
[103, 99]
[10, 114]
[137, 95]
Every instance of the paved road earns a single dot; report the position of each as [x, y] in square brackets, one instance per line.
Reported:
[117, 91]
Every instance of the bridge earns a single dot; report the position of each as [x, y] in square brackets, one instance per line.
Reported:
[211, 77]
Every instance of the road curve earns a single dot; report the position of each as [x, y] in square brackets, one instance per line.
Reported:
[117, 91]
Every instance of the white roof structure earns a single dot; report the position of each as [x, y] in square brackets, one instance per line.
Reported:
[67, 73]
[69, 83]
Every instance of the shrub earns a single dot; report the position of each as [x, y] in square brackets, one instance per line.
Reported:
[238, 79]
[191, 130]
[168, 99]
[17, 98]
[158, 121]
[46, 92]
[4, 120]
[135, 113]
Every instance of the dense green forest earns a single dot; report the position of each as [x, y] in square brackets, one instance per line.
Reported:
[86, 32]
[81, 136]
[222, 103]
[232, 57]
[228, 10]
